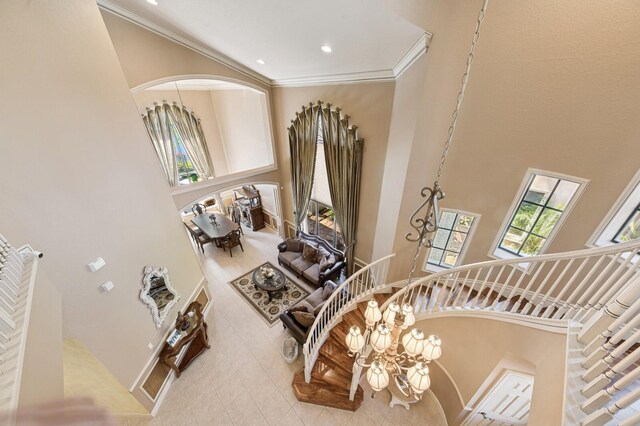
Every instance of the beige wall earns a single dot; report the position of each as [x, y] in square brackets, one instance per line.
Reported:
[369, 106]
[554, 86]
[473, 347]
[82, 180]
[42, 379]
[242, 119]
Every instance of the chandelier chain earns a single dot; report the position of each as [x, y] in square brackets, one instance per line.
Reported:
[465, 80]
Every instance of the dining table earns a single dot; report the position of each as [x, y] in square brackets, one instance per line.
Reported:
[223, 226]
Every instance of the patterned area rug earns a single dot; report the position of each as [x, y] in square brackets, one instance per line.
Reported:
[259, 299]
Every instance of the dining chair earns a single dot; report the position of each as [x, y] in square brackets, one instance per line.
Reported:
[199, 237]
[198, 209]
[231, 240]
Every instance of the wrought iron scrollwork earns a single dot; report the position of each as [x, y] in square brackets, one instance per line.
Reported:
[425, 219]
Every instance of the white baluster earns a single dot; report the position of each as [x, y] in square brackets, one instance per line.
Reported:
[605, 396]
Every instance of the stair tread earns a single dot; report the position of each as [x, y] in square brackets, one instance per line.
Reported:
[322, 393]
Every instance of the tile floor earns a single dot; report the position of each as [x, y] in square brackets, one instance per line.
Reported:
[242, 379]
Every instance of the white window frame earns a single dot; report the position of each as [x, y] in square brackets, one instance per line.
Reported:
[496, 252]
[429, 267]
[626, 203]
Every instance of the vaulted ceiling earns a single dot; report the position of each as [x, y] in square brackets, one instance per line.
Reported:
[365, 36]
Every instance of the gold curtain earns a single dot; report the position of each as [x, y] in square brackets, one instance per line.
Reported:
[303, 139]
[157, 121]
[190, 130]
[343, 153]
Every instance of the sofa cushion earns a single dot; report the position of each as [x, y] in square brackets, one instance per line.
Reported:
[289, 256]
[318, 308]
[293, 244]
[309, 252]
[300, 264]
[312, 273]
[315, 298]
[304, 318]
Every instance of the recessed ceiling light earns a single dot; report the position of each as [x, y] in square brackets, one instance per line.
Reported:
[260, 61]
[326, 48]
[153, 2]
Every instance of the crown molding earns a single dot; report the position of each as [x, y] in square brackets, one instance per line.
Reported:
[120, 11]
[418, 49]
[348, 78]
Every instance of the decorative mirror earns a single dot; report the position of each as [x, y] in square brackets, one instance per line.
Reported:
[157, 293]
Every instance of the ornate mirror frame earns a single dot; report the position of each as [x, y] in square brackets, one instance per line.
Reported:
[149, 273]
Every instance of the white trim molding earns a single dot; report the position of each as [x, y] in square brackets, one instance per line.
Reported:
[495, 251]
[418, 49]
[626, 203]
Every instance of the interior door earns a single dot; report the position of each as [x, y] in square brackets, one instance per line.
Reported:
[507, 404]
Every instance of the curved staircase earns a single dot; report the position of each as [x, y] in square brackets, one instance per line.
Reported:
[331, 374]
[595, 291]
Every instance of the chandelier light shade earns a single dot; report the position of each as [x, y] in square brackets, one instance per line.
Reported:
[389, 315]
[413, 342]
[409, 318]
[372, 314]
[418, 377]
[381, 338]
[377, 376]
[432, 348]
[354, 340]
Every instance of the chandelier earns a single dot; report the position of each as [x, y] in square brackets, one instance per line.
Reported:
[408, 366]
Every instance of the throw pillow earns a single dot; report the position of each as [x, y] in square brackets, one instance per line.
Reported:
[305, 319]
[327, 262]
[326, 291]
[294, 245]
[302, 306]
[309, 253]
[315, 298]
[322, 252]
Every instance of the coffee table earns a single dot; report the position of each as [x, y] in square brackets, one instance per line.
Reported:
[277, 282]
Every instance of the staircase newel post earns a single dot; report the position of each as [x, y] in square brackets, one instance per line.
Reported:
[597, 326]
[355, 379]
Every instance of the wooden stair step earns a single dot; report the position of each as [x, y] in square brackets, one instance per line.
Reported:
[354, 318]
[339, 361]
[322, 393]
[381, 298]
[334, 378]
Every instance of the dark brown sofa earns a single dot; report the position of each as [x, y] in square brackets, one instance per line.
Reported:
[297, 330]
[310, 271]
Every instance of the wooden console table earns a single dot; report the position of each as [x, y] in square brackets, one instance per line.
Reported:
[194, 338]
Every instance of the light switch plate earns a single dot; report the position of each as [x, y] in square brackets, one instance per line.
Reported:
[106, 286]
[96, 264]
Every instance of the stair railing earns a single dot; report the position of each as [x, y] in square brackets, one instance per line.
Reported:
[598, 287]
[572, 285]
[363, 283]
[17, 280]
